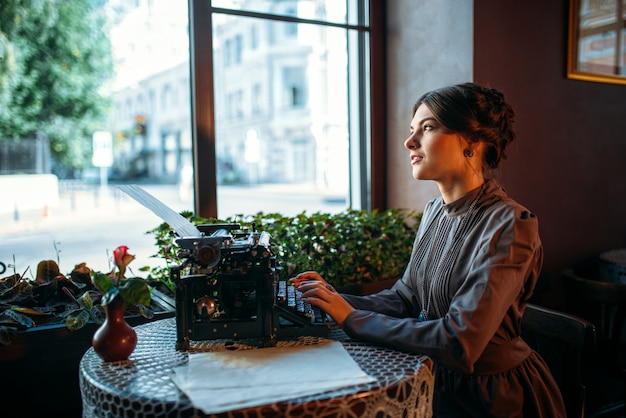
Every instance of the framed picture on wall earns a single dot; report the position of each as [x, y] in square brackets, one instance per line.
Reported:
[597, 41]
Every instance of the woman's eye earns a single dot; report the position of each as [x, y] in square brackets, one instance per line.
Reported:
[428, 127]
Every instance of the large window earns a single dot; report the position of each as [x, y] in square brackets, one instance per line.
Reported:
[266, 109]
[300, 138]
[70, 209]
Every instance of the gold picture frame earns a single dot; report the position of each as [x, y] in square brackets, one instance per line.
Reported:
[597, 41]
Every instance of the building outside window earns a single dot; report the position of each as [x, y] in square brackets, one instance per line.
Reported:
[288, 95]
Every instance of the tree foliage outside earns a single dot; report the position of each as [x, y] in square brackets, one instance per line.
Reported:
[55, 58]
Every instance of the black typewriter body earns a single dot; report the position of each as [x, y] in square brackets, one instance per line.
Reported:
[227, 287]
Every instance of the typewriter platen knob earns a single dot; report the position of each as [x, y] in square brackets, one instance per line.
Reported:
[207, 304]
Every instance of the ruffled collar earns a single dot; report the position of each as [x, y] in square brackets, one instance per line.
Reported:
[463, 204]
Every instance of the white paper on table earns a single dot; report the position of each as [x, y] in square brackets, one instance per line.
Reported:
[221, 381]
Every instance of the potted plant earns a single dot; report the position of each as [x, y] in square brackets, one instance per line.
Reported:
[115, 339]
[48, 323]
[72, 300]
[355, 250]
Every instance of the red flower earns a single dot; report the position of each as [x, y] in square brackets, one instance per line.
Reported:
[122, 258]
[133, 291]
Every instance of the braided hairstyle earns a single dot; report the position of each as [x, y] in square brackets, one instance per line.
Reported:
[480, 113]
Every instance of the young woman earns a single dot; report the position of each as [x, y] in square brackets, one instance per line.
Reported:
[475, 262]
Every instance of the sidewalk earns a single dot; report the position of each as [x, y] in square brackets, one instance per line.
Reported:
[86, 207]
[89, 223]
[86, 226]
[95, 205]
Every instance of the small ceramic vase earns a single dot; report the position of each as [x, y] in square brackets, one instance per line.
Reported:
[115, 340]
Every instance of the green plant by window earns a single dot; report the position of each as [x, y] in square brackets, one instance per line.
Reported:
[346, 248]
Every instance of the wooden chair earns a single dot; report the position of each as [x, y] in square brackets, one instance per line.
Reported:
[603, 304]
[566, 343]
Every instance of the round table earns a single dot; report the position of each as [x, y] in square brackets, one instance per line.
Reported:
[142, 386]
[613, 266]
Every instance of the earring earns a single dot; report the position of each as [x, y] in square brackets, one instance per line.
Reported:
[468, 152]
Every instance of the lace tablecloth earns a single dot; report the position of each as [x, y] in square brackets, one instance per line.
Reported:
[143, 386]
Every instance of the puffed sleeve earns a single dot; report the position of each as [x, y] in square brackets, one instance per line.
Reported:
[496, 270]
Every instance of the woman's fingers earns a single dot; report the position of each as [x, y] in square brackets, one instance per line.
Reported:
[306, 276]
[308, 287]
[316, 291]
[329, 301]
[313, 291]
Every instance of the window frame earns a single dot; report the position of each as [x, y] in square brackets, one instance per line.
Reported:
[370, 178]
[579, 34]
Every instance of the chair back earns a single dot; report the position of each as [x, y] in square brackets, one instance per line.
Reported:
[602, 303]
[588, 294]
[566, 342]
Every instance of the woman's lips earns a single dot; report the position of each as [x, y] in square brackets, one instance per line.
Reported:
[416, 159]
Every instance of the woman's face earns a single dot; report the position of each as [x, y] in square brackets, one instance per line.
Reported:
[436, 153]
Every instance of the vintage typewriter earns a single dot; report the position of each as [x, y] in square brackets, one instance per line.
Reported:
[228, 287]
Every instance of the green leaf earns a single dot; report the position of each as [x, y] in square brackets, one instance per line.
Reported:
[86, 300]
[103, 282]
[109, 296]
[96, 315]
[77, 320]
[21, 319]
[135, 292]
[145, 311]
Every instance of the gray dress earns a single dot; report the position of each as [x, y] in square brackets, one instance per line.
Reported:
[474, 266]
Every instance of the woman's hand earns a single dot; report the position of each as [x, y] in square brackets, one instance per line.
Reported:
[316, 291]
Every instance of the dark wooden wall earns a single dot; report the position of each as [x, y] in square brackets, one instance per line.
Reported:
[568, 163]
